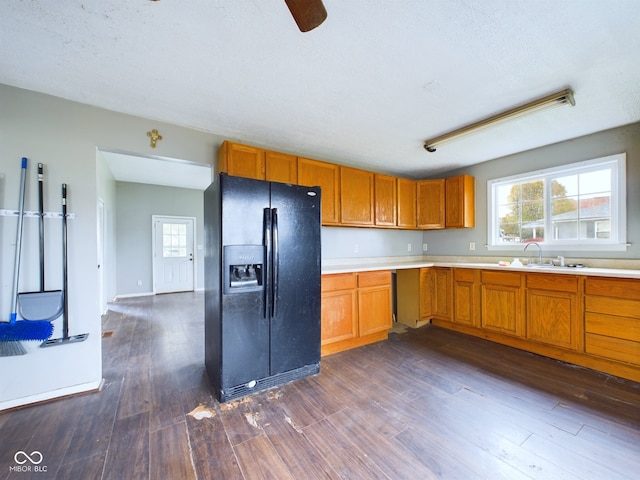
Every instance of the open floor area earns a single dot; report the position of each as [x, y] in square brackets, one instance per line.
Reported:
[427, 403]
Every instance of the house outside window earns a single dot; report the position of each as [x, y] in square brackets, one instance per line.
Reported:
[579, 206]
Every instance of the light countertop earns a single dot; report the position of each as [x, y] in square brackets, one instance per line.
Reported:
[332, 266]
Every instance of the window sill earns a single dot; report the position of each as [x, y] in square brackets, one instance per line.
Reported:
[618, 247]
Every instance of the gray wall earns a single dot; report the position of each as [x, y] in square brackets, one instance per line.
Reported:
[618, 140]
[135, 205]
[338, 242]
[64, 135]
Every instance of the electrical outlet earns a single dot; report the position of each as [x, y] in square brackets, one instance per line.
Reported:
[472, 245]
[408, 247]
[424, 247]
[355, 248]
[139, 283]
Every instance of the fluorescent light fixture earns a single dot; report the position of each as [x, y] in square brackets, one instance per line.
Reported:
[565, 97]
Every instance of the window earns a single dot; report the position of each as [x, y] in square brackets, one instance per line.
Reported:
[580, 206]
[174, 240]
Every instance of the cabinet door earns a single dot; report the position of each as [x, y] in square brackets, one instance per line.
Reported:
[385, 193]
[374, 309]
[280, 167]
[501, 302]
[241, 160]
[375, 312]
[553, 310]
[442, 288]
[339, 320]
[459, 202]
[327, 176]
[426, 293]
[406, 203]
[431, 204]
[356, 196]
[465, 297]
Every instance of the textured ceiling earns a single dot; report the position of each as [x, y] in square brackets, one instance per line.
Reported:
[366, 88]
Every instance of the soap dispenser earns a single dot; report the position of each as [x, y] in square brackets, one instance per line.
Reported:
[516, 263]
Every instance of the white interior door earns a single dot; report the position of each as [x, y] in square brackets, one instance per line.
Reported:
[173, 252]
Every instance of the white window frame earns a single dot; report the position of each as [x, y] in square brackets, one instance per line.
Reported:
[618, 239]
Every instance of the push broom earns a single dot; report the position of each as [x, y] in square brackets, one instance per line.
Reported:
[15, 330]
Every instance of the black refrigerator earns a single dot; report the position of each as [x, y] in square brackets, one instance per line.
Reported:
[262, 284]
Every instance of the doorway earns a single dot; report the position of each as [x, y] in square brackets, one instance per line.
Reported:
[173, 254]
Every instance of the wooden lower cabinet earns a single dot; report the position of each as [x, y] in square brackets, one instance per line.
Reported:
[501, 302]
[339, 308]
[442, 301]
[612, 319]
[356, 309]
[553, 310]
[589, 321]
[466, 296]
[414, 292]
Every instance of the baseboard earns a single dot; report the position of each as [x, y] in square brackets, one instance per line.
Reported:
[131, 295]
[53, 395]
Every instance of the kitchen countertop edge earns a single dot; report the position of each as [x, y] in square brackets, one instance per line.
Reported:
[390, 264]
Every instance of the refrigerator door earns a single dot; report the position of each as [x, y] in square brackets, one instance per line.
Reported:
[244, 327]
[295, 326]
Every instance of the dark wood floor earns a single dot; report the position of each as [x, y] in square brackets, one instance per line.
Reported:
[427, 403]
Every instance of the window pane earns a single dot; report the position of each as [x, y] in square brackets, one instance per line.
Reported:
[533, 190]
[574, 203]
[174, 240]
[595, 182]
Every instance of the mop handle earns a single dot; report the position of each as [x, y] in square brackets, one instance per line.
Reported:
[41, 222]
[65, 281]
[16, 265]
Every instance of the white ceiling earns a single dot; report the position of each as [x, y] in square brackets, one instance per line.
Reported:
[366, 88]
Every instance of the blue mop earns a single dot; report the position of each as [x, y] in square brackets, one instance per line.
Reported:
[15, 330]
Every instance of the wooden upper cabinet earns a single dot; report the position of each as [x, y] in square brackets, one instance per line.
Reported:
[281, 167]
[327, 176]
[431, 211]
[385, 193]
[406, 203]
[356, 196]
[460, 201]
[241, 160]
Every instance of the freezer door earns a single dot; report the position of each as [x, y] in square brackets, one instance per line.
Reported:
[295, 326]
[244, 327]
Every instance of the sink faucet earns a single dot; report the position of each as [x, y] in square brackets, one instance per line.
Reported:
[539, 251]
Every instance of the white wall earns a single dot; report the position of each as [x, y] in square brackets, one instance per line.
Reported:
[64, 136]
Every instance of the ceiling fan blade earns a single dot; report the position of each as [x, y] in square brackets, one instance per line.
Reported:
[308, 14]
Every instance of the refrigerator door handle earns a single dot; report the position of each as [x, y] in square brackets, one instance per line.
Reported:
[276, 261]
[267, 261]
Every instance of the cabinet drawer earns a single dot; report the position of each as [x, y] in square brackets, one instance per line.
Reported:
[338, 281]
[510, 279]
[464, 274]
[558, 283]
[613, 326]
[613, 287]
[613, 306]
[613, 348]
[372, 279]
